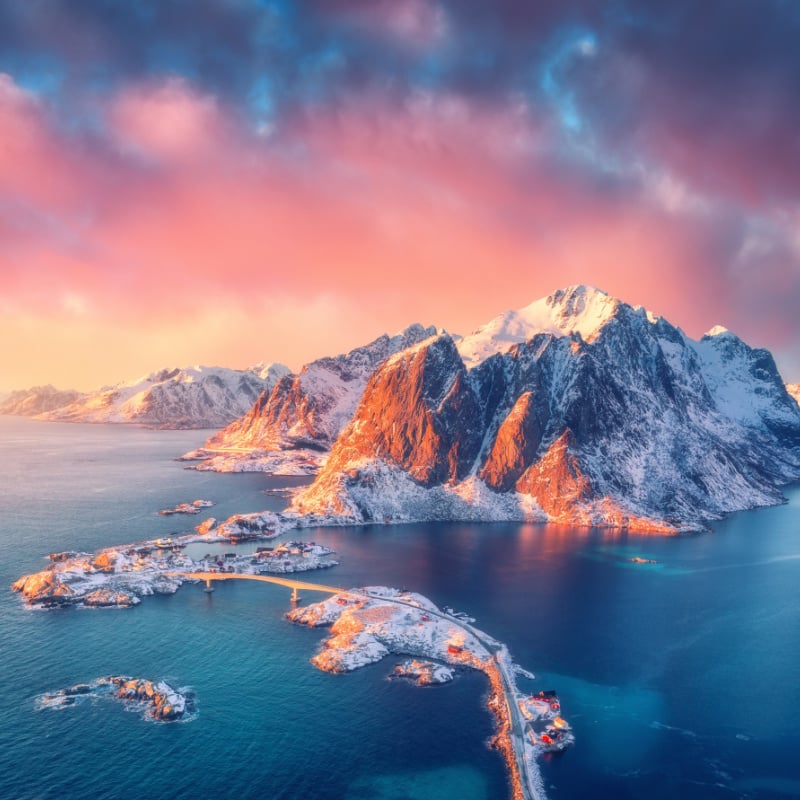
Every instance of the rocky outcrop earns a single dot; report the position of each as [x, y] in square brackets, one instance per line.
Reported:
[579, 409]
[157, 699]
[164, 702]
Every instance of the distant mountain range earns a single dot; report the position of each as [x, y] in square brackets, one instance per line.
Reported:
[194, 397]
[578, 408]
[37, 400]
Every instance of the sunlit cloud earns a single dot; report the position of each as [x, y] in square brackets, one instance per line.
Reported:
[299, 182]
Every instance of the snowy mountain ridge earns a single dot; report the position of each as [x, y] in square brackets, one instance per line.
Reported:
[578, 408]
[191, 397]
[580, 310]
[290, 428]
[36, 400]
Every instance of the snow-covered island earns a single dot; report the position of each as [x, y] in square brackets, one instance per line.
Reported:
[423, 673]
[195, 507]
[368, 624]
[157, 699]
[121, 576]
[295, 462]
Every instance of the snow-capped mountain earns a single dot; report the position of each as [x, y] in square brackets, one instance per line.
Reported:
[37, 400]
[291, 428]
[194, 397]
[578, 408]
[794, 391]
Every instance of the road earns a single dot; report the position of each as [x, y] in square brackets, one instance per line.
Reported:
[238, 576]
[529, 787]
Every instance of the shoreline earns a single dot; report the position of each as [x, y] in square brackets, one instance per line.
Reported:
[372, 623]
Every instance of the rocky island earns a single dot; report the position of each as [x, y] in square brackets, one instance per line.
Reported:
[157, 699]
[195, 507]
[423, 673]
[120, 576]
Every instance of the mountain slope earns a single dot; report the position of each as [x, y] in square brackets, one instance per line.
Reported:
[194, 397]
[37, 400]
[580, 409]
[291, 428]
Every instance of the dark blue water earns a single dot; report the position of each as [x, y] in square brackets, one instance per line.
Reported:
[681, 678]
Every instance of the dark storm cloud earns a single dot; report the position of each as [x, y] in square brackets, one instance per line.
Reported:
[707, 89]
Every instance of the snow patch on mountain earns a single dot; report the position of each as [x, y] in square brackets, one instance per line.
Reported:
[576, 309]
[193, 397]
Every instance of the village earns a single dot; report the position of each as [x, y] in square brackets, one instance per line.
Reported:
[121, 576]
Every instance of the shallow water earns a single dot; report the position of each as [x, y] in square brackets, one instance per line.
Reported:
[680, 677]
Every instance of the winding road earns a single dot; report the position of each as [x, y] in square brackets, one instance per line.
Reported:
[530, 786]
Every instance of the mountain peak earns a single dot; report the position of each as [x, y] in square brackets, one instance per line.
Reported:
[717, 330]
[578, 309]
[575, 309]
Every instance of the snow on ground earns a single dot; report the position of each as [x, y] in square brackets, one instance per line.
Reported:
[302, 461]
[368, 624]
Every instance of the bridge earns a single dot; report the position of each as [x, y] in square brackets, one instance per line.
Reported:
[528, 780]
[294, 585]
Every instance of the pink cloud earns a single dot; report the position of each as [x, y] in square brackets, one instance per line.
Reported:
[435, 209]
[167, 121]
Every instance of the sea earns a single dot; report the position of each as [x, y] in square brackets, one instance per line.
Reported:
[681, 678]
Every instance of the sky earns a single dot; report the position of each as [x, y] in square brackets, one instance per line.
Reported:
[230, 181]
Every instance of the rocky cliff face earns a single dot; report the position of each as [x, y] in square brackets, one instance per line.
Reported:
[305, 412]
[579, 408]
[194, 397]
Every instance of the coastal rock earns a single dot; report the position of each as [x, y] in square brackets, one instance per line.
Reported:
[43, 587]
[158, 700]
[423, 673]
[101, 598]
[195, 507]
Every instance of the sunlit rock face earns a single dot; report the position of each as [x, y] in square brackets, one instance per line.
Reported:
[419, 412]
[157, 699]
[794, 391]
[578, 408]
[307, 410]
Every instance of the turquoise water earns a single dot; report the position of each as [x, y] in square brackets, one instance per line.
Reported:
[681, 678]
